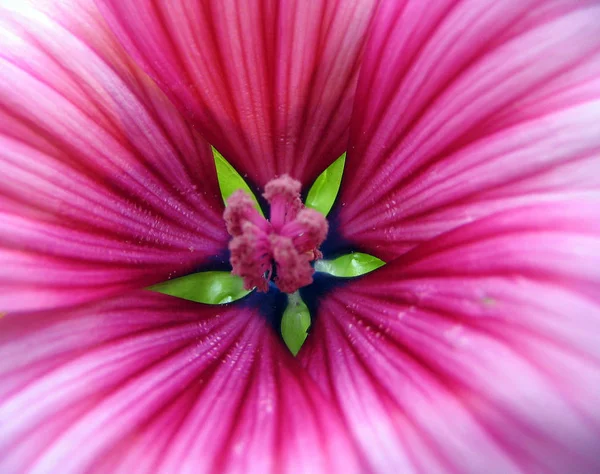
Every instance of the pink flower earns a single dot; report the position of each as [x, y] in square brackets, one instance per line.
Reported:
[473, 169]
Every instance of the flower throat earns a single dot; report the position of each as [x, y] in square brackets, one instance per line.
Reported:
[283, 247]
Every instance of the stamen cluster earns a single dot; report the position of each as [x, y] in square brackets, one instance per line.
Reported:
[289, 241]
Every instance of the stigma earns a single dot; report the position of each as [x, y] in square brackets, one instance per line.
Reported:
[282, 248]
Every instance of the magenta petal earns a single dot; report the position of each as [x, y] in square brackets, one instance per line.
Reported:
[104, 186]
[270, 83]
[478, 352]
[147, 383]
[467, 108]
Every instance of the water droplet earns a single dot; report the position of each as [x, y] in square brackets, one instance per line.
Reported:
[455, 335]
[238, 448]
[488, 301]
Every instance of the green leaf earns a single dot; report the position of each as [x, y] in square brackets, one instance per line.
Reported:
[295, 323]
[230, 180]
[324, 190]
[204, 287]
[350, 265]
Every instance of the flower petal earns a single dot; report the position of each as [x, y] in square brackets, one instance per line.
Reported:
[149, 383]
[105, 187]
[477, 352]
[270, 83]
[467, 108]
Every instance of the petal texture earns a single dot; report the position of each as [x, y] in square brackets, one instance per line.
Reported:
[269, 83]
[147, 383]
[477, 352]
[104, 186]
[465, 108]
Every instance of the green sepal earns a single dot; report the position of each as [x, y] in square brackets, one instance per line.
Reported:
[204, 287]
[324, 190]
[350, 265]
[230, 180]
[295, 323]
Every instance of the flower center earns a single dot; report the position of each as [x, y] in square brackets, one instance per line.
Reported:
[282, 247]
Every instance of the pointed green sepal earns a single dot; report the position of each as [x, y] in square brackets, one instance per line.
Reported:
[295, 323]
[324, 190]
[350, 265]
[204, 287]
[230, 180]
